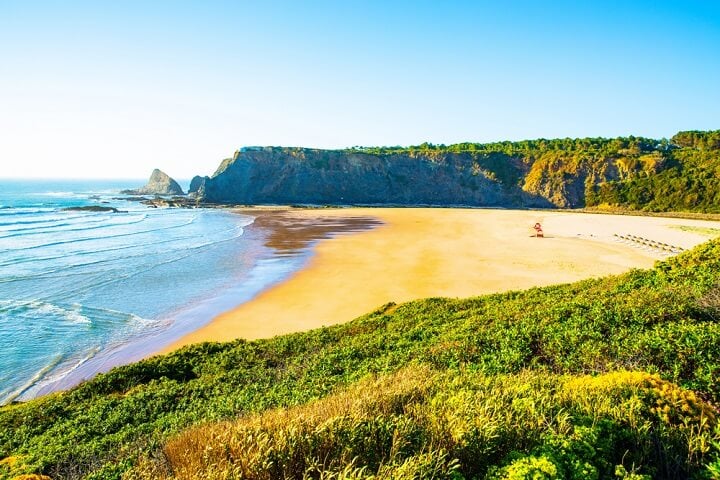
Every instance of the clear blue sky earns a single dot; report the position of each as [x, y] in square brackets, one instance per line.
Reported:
[114, 89]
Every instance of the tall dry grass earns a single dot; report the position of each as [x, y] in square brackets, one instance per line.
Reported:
[419, 423]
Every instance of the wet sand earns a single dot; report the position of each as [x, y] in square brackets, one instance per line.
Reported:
[416, 253]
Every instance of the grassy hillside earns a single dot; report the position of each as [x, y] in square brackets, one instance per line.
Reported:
[603, 378]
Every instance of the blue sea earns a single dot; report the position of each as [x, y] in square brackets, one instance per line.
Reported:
[83, 291]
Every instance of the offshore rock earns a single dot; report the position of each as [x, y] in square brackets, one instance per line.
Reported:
[159, 183]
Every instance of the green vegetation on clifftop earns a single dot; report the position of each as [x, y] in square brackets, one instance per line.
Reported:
[605, 376]
[690, 182]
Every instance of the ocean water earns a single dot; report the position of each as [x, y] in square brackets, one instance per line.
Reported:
[77, 288]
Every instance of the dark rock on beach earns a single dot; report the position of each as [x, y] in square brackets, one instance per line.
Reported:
[174, 202]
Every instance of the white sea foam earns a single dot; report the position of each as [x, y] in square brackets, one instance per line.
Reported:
[59, 194]
[71, 314]
[104, 237]
[62, 371]
[39, 375]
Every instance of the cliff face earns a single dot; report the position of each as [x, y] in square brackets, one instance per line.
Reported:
[626, 172]
[309, 176]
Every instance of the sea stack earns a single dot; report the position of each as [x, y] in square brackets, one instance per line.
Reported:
[159, 183]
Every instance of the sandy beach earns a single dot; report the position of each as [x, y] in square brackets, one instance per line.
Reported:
[429, 252]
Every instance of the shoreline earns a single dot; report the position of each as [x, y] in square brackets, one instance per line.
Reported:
[439, 252]
[288, 245]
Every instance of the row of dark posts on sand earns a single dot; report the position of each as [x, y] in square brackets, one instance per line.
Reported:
[640, 241]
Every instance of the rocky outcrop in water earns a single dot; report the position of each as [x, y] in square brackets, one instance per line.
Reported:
[159, 183]
[92, 208]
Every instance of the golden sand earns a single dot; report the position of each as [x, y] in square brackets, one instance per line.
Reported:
[432, 252]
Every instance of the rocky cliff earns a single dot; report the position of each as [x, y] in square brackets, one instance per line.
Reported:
[626, 172]
[310, 176]
[159, 183]
[197, 186]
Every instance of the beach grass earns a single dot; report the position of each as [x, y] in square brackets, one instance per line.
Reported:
[421, 422]
[706, 231]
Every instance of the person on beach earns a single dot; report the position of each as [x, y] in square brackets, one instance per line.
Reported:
[538, 230]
